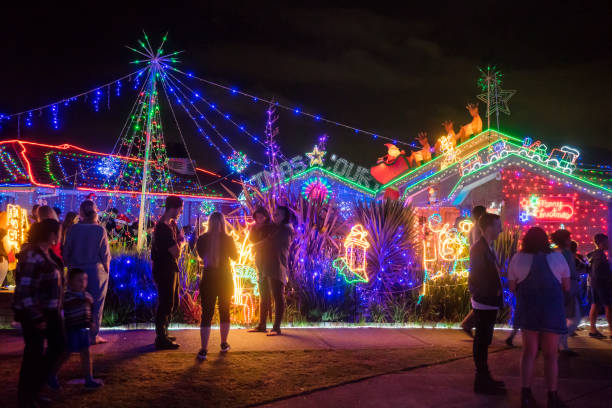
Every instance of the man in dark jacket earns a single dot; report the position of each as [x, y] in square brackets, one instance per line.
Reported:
[486, 289]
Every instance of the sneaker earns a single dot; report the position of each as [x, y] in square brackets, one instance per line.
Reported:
[93, 384]
[165, 344]
[485, 384]
[225, 347]
[171, 338]
[274, 332]
[597, 335]
[202, 355]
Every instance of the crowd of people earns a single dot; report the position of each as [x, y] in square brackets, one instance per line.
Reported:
[63, 273]
[544, 279]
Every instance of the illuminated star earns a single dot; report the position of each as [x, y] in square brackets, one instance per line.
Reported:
[499, 101]
[316, 157]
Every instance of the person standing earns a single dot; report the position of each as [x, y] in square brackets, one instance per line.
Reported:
[485, 287]
[469, 321]
[215, 248]
[563, 240]
[86, 248]
[166, 245]
[538, 276]
[279, 261]
[37, 305]
[600, 293]
[71, 219]
[260, 237]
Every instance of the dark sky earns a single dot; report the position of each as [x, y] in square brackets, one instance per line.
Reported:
[392, 71]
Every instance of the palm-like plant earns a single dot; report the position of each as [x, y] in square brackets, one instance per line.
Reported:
[390, 257]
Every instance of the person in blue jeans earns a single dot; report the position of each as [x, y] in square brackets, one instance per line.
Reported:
[538, 276]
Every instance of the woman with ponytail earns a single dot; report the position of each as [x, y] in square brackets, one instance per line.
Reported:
[215, 248]
[86, 248]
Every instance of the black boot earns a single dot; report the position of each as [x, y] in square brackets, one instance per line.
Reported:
[554, 401]
[527, 398]
[484, 384]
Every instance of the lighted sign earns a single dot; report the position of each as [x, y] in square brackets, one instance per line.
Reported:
[17, 225]
[337, 165]
[352, 266]
[546, 208]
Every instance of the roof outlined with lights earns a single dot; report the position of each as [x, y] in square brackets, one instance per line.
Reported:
[36, 165]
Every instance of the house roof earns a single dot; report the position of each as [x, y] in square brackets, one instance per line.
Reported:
[31, 164]
[485, 154]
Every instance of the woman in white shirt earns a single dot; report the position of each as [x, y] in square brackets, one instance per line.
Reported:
[538, 277]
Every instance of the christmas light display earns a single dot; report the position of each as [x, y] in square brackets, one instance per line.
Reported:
[316, 156]
[207, 207]
[17, 225]
[238, 162]
[243, 269]
[445, 249]
[546, 208]
[317, 188]
[352, 266]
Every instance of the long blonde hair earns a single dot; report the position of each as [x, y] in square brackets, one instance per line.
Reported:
[217, 232]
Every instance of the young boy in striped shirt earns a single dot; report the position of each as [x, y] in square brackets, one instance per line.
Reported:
[77, 320]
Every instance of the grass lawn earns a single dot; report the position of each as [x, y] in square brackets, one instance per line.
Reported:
[162, 379]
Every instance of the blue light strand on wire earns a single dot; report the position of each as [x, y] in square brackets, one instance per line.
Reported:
[174, 87]
[295, 110]
[214, 107]
[29, 119]
[118, 86]
[55, 116]
[96, 99]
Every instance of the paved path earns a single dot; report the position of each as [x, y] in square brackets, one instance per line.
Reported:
[586, 381]
[292, 339]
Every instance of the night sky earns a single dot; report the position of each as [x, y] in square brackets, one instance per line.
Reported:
[391, 71]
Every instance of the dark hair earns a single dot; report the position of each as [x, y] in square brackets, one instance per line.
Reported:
[560, 237]
[574, 246]
[287, 214]
[72, 272]
[88, 208]
[173, 202]
[262, 211]
[600, 238]
[486, 220]
[41, 231]
[58, 211]
[478, 212]
[536, 240]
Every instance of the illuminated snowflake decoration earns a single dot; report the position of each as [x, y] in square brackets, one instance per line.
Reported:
[109, 166]
[317, 188]
[238, 161]
[207, 207]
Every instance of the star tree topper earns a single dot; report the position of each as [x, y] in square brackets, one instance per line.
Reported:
[316, 157]
[499, 101]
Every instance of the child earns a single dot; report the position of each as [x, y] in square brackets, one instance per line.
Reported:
[77, 316]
